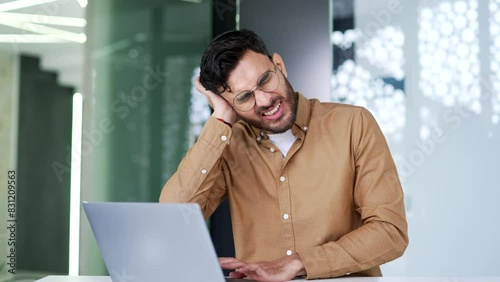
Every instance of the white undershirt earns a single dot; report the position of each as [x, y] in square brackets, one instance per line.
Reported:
[283, 141]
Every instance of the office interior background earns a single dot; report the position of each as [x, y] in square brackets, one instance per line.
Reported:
[97, 103]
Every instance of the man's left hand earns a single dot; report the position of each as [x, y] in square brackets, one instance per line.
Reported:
[283, 269]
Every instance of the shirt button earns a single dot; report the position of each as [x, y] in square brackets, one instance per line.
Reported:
[305, 128]
[272, 150]
[286, 216]
[258, 139]
[203, 171]
[288, 253]
[282, 179]
[223, 138]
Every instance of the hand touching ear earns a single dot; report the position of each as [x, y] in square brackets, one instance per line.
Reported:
[222, 108]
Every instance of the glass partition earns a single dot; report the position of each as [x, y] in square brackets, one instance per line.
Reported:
[142, 56]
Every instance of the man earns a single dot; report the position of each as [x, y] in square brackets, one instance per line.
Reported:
[312, 187]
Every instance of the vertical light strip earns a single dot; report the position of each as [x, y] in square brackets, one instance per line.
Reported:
[237, 17]
[74, 212]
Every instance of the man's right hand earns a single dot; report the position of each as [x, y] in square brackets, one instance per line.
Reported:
[222, 109]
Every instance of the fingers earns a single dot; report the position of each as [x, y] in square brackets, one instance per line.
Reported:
[198, 85]
[233, 265]
[236, 275]
[227, 260]
[209, 94]
[222, 108]
[258, 272]
[242, 269]
[202, 90]
[253, 271]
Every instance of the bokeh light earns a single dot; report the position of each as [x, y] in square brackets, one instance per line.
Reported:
[352, 84]
[449, 49]
[345, 39]
[385, 51]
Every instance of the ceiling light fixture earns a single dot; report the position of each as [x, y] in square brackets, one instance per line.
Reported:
[30, 38]
[19, 4]
[83, 3]
[44, 19]
[49, 31]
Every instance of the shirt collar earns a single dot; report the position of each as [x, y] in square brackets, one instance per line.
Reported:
[303, 115]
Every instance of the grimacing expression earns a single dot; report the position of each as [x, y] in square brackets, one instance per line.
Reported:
[274, 111]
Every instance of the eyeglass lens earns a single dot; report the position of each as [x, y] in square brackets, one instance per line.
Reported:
[268, 82]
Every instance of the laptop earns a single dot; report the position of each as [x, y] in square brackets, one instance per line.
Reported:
[149, 242]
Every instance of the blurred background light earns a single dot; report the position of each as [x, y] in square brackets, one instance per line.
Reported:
[76, 162]
[352, 84]
[199, 110]
[449, 49]
[385, 51]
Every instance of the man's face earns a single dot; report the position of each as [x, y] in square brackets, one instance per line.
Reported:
[274, 111]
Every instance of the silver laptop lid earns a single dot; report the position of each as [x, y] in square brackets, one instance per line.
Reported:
[154, 242]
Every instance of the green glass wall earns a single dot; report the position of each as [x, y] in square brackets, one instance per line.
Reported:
[141, 60]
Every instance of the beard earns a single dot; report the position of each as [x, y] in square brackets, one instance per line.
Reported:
[285, 122]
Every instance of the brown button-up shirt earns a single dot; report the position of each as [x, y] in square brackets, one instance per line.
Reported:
[336, 199]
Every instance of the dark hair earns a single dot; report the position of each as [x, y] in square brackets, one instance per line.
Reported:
[223, 54]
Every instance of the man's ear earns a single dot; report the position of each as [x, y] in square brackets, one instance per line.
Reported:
[278, 61]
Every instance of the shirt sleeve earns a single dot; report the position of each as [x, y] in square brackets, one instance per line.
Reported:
[199, 178]
[379, 201]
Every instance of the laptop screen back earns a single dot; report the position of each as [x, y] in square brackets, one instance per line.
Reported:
[154, 242]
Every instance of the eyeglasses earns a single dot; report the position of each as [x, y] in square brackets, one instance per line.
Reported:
[268, 82]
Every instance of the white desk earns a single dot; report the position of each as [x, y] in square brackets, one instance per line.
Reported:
[344, 279]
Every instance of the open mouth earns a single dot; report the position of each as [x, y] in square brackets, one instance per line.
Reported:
[275, 112]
